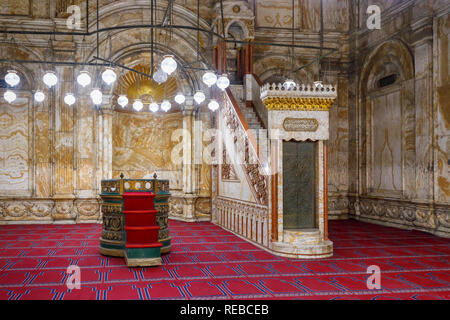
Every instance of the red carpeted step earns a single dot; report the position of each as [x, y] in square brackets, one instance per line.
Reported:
[138, 201]
[142, 235]
[141, 227]
[138, 218]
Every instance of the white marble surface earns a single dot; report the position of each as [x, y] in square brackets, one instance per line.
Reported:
[277, 118]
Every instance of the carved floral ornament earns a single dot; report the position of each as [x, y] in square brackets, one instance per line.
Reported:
[50, 209]
[298, 97]
[258, 182]
[411, 214]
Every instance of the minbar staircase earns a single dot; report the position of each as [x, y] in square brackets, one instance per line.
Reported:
[251, 203]
[247, 107]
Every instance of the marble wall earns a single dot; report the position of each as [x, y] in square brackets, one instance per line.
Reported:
[15, 139]
[399, 132]
[442, 99]
[53, 156]
[142, 145]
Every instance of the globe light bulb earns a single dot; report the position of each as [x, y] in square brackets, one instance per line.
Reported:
[9, 96]
[209, 78]
[223, 82]
[153, 107]
[138, 105]
[39, 96]
[180, 98]
[318, 84]
[122, 101]
[97, 96]
[166, 106]
[109, 76]
[199, 97]
[50, 79]
[160, 76]
[84, 79]
[213, 105]
[169, 65]
[69, 99]
[12, 78]
[289, 83]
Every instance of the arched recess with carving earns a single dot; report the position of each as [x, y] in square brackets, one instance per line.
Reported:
[237, 29]
[146, 144]
[387, 122]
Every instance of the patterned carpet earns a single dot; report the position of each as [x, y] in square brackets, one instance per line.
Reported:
[210, 263]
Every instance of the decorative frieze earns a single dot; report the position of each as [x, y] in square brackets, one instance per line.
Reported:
[189, 208]
[338, 207]
[49, 210]
[406, 214]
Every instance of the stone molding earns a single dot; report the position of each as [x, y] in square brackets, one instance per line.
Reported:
[49, 210]
[431, 218]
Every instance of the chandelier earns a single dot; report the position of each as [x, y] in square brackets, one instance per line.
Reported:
[108, 76]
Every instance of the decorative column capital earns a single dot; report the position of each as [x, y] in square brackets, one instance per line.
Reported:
[106, 107]
[189, 107]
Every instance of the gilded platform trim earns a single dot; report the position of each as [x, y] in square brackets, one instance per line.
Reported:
[299, 104]
[298, 97]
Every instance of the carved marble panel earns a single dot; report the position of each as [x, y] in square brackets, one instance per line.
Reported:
[275, 14]
[320, 119]
[15, 7]
[386, 150]
[142, 144]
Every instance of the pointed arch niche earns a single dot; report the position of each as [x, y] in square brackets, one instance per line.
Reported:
[387, 121]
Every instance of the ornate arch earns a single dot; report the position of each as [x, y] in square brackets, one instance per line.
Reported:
[391, 57]
[28, 75]
[242, 25]
[393, 52]
[121, 45]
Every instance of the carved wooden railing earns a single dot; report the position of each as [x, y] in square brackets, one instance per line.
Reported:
[247, 219]
[253, 166]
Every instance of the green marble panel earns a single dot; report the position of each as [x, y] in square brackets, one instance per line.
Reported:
[299, 199]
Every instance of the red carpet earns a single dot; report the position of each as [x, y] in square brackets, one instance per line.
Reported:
[210, 263]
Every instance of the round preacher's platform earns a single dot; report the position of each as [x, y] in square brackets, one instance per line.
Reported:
[113, 241]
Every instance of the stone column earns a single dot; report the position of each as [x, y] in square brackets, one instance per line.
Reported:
[423, 57]
[189, 196]
[105, 142]
[63, 148]
[188, 123]
[64, 135]
[87, 202]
